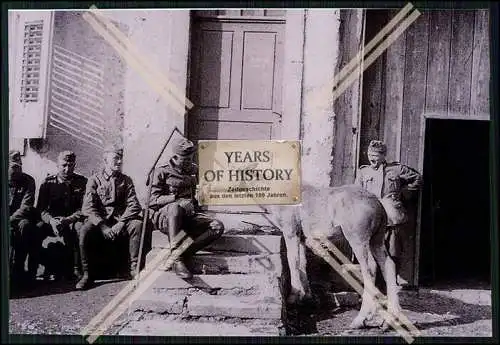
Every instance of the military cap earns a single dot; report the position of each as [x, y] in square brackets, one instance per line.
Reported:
[184, 147]
[67, 156]
[377, 146]
[15, 157]
[114, 148]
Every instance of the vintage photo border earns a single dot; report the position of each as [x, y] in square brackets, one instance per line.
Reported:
[494, 167]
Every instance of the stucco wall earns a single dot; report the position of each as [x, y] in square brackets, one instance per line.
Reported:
[321, 53]
[162, 37]
[132, 110]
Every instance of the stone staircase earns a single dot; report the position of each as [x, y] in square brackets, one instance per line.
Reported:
[236, 290]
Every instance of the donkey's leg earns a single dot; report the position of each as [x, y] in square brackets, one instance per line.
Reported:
[296, 263]
[361, 250]
[303, 271]
[388, 268]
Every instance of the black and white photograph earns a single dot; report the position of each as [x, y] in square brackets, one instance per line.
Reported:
[389, 109]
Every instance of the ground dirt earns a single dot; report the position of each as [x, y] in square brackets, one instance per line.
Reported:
[53, 308]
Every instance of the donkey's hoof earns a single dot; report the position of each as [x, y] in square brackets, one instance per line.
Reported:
[357, 323]
[299, 297]
[293, 298]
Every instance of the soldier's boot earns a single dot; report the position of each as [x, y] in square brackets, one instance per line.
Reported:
[175, 214]
[181, 270]
[85, 282]
[77, 273]
[133, 270]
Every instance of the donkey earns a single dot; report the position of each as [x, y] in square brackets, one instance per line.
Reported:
[329, 212]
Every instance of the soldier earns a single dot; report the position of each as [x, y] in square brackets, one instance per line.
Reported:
[59, 203]
[113, 211]
[23, 231]
[174, 207]
[388, 181]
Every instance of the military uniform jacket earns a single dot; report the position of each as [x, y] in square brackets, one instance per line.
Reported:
[110, 197]
[21, 197]
[169, 180]
[388, 179]
[58, 198]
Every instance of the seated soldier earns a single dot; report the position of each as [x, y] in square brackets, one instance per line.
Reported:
[23, 232]
[113, 212]
[59, 203]
[174, 207]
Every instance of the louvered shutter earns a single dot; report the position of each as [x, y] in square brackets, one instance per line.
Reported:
[30, 54]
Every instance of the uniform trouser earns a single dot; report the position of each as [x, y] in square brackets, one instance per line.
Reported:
[393, 244]
[200, 227]
[131, 233]
[25, 242]
[70, 235]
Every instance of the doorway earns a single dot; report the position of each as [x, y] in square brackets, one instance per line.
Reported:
[455, 236]
[236, 77]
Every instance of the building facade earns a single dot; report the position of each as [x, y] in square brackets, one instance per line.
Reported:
[250, 74]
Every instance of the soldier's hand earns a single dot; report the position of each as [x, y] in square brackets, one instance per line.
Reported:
[56, 225]
[117, 228]
[107, 232]
[65, 221]
[162, 220]
[188, 206]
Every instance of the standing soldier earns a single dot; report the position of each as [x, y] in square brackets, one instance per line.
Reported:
[388, 181]
[59, 203]
[175, 208]
[113, 211]
[24, 238]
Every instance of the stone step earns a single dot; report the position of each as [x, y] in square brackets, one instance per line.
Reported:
[219, 284]
[170, 294]
[253, 307]
[250, 244]
[230, 263]
[204, 304]
[160, 326]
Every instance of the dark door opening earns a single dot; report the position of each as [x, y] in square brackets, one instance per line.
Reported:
[455, 233]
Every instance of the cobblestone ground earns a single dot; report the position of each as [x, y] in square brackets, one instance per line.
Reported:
[55, 308]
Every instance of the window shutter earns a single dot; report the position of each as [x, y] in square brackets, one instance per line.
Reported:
[30, 53]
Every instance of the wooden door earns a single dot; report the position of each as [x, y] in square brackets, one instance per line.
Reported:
[236, 79]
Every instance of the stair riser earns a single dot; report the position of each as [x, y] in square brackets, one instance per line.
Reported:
[203, 305]
[220, 264]
[248, 244]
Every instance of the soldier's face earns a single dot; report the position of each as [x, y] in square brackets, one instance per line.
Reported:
[184, 161]
[14, 170]
[113, 161]
[65, 168]
[375, 158]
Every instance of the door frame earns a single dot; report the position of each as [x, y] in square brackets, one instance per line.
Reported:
[423, 126]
